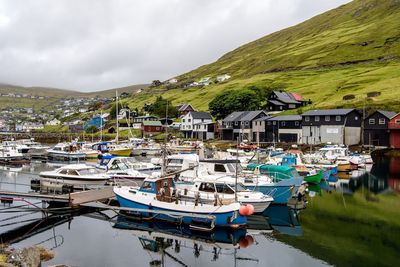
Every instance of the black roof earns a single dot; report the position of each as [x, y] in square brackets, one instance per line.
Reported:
[328, 112]
[200, 115]
[286, 118]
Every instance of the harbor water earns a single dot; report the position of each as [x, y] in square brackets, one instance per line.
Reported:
[352, 221]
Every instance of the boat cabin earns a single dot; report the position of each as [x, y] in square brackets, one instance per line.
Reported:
[162, 187]
[78, 170]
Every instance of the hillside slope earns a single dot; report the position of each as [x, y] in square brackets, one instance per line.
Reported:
[353, 49]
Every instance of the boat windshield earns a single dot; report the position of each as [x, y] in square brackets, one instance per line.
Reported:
[119, 166]
[90, 171]
[224, 188]
[240, 187]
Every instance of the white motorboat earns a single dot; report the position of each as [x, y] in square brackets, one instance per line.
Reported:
[214, 188]
[65, 151]
[75, 174]
[10, 154]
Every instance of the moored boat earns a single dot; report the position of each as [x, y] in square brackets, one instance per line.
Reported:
[155, 198]
[74, 174]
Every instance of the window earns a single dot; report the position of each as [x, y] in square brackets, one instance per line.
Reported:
[338, 118]
[307, 118]
[397, 121]
[268, 123]
[189, 120]
[236, 123]
[356, 118]
[316, 118]
[219, 168]
[327, 118]
[183, 120]
[223, 188]
[296, 123]
[283, 123]
[147, 186]
[371, 121]
[274, 123]
[382, 121]
[207, 187]
[246, 123]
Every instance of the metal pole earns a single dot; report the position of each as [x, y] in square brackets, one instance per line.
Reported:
[236, 172]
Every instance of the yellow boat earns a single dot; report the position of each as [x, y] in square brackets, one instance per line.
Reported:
[344, 167]
[122, 152]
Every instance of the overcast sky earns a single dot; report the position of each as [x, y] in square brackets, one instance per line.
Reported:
[90, 45]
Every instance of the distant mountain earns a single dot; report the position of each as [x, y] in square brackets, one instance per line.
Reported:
[60, 93]
[351, 50]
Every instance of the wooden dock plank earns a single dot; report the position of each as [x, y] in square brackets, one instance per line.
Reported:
[83, 197]
[23, 195]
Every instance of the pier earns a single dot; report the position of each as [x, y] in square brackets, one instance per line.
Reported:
[75, 199]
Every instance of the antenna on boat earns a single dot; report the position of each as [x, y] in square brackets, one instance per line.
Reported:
[164, 151]
[236, 171]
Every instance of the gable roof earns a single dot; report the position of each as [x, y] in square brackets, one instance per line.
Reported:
[234, 116]
[251, 115]
[183, 107]
[285, 97]
[297, 96]
[200, 115]
[326, 112]
[286, 118]
[387, 114]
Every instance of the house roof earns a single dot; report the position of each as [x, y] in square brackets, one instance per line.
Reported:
[387, 114]
[285, 97]
[276, 102]
[286, 118]
[325, 112]
[183, 107]
[234, 116]
[267, 117]
[152, 123]
[251, 115]
[200, 115]
[297, 96]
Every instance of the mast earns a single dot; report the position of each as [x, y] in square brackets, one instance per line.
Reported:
[236, 171]
[116, 105]
[164, 151]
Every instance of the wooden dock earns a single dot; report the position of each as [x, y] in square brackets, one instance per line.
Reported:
[74, 199]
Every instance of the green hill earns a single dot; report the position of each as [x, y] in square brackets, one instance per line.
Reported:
[353, 49]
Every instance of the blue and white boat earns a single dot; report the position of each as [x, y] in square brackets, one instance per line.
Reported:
[157, 198]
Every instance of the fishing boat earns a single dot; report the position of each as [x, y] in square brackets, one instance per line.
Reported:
[155, 199]
[65, 151]
[122, 150]
[309, 173]
[74, 174]
[9, 155]
[221, 189]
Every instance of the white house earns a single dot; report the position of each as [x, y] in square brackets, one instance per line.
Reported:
[173, 81]
[53, 122]
[197, 125]
[223, 77]
[205, 81]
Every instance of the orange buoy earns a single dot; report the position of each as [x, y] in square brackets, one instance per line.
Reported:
[243, 210]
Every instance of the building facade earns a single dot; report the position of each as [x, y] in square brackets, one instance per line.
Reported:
[376, 128]
[194, 124]
[336, 126]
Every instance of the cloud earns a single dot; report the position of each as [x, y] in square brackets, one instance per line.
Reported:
[91, 45]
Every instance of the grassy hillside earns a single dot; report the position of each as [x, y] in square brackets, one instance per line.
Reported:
[353, 49]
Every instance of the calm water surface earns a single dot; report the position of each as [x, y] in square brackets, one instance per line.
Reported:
[346, 223]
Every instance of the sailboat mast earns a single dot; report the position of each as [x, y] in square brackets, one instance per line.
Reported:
[116, 105]
[236, 173]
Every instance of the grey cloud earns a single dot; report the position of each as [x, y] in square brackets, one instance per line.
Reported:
[91, 44]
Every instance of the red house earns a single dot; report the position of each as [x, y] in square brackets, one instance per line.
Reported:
[150, 128]
[394, 128]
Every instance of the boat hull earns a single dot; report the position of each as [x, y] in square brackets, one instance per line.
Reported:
[222, 219]
[121, 152]
[314, 179]
[281, 191]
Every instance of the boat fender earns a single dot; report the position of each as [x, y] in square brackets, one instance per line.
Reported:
[246, 210]
[246, 241]
[185, 191]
